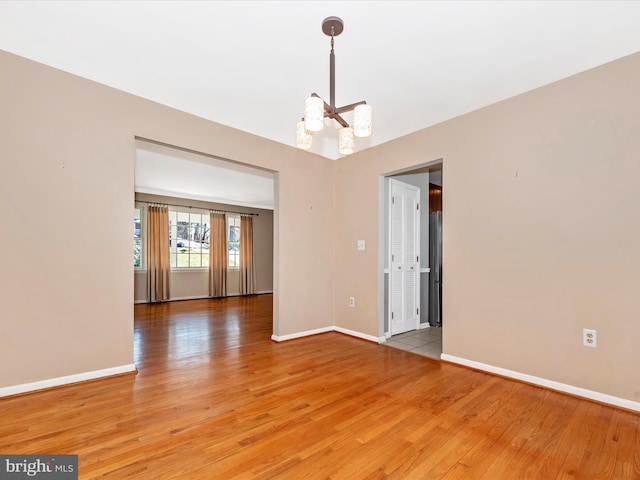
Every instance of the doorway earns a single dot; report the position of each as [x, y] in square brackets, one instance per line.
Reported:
[192, 184]
[425, 335]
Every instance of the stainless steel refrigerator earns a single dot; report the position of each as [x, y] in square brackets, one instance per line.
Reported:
[435, 263]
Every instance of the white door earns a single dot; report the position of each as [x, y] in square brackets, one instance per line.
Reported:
[404, 260]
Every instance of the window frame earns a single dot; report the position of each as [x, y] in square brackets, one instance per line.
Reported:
[204, 220]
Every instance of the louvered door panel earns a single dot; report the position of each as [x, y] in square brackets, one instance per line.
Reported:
[404, 252]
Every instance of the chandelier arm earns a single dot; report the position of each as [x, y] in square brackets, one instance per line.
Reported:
[328, 111]
[334, 113]
[338, 119]
[348, 108]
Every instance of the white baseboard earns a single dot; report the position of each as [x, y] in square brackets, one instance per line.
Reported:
[307, 333]
[543, 382]
[353, 333]
[58, 381]
[202, 297]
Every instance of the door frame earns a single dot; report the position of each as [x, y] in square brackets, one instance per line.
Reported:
[383, 270]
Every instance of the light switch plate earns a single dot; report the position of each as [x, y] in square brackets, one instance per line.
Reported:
[360, 244]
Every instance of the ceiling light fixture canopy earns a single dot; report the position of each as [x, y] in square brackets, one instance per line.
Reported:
[316, 109]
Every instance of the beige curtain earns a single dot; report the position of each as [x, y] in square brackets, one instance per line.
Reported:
[247, 264]
[158, 253]
[218, 255]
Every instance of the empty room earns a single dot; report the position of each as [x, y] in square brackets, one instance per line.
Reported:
[370, 240]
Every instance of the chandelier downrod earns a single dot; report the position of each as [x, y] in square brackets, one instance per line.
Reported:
[332, 78]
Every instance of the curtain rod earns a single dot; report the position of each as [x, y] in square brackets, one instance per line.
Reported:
[217, 210]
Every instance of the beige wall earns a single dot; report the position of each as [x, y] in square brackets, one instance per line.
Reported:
[541, 230]
[66, 180]
[541, 225]
[192, 284]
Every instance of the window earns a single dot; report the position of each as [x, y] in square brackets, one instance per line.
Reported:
[189, 239]
[233, 240]
[137, 239]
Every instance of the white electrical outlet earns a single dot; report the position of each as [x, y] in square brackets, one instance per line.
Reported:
[589, 338]
[352, 302]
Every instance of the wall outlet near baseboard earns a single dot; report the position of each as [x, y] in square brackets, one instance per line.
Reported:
[589, 337]
[352, 302]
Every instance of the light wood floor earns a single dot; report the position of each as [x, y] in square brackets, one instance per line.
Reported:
[214, 398]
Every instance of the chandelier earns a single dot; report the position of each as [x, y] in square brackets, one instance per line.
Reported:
[316, 109]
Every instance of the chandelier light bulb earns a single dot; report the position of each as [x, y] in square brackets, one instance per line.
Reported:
[303, 136]
[362, 120]
[346, 141]
[314, 114]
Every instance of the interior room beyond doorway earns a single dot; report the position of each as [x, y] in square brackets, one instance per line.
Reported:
[424, 335]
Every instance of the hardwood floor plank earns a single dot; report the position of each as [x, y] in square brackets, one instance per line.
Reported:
[494, 456]
[539, 442]
[609, 451]
[627, 436]
[429, 447]
[215, 398]
[478, 446]
[577, 442]
[597, 442]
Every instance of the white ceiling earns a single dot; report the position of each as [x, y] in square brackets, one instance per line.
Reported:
[251, 64]
[161, 170]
